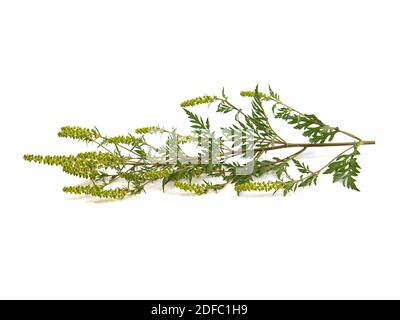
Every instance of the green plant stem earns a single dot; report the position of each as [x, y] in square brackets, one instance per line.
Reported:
[311, 145]
[276, 147]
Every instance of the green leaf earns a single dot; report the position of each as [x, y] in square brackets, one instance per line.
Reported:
[224, 107]
[345, 169]
[308, 181]
[303, 168]
[280, 167]
[313, 128]
[273, 94]
[196, 121]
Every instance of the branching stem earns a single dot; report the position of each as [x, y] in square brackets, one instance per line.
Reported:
[130, 159]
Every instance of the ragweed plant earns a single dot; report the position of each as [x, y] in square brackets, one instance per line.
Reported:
[241, 154]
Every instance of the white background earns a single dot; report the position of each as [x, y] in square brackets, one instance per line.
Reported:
[125, 64]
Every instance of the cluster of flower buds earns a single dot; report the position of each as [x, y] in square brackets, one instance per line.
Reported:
[70, 164]
[150, 130]
[95, 191]
[99, 159]
[80, 171]
[251, 94]
[258, 186]
[33, 158]
[181, 139]
[192, 187]
[92, 158]
[128, 140]
[185, 139]
[78, 133]
[156, 174]
[197, 101]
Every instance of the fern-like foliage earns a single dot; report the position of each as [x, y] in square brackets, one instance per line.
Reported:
[313, 128]
[345, 169]
[197, 123]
